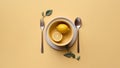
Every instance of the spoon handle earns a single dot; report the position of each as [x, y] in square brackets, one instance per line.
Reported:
[78, 45]
[42, 48]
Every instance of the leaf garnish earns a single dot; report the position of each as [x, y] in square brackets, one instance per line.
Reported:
[49, 12]
[69, 55]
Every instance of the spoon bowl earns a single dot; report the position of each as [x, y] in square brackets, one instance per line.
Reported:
[78, 22]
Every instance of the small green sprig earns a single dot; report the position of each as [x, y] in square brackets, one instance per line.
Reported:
[47, 13]
[70, 54]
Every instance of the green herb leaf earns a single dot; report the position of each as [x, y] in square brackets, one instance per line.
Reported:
[43, 14]
[68, 55]
[78, 58]
[49, 12]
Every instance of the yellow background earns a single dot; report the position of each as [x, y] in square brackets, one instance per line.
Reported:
[20, 33]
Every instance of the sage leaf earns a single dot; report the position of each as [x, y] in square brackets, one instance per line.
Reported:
[49, 12]
[78, 58]
[68, 55]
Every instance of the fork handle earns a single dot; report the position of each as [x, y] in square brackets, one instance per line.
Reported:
[78, 44]
[42, 48]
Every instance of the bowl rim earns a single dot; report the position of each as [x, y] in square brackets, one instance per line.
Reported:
[67, 21]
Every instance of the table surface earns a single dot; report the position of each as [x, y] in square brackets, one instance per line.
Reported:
[20, 33]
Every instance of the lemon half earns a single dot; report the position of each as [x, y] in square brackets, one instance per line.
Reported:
[62, 28]
[57, 36]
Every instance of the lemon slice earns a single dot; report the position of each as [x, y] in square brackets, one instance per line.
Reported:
[62, 28]
[57, 36]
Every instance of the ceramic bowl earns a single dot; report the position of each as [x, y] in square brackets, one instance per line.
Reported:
[67, 37]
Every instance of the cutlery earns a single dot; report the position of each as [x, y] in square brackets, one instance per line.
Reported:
[42, 25]
[78, 25]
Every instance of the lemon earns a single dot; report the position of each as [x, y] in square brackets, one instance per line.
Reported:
[62, 28]
[57, 36]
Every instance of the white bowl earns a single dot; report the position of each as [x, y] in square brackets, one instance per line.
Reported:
[69, 41]
[67, 37]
